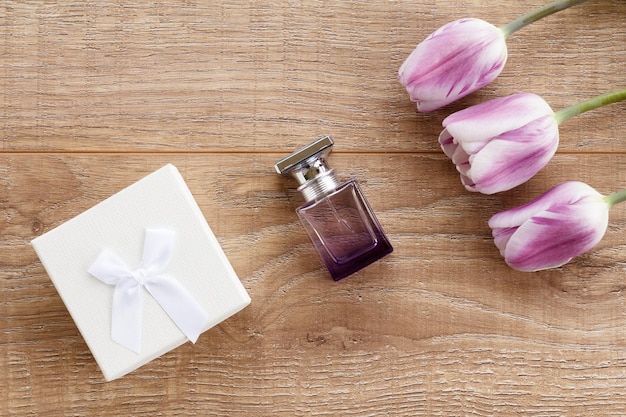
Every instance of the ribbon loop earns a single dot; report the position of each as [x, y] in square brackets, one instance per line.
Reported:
[176, 301]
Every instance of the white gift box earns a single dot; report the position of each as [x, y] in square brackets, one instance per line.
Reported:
[121, 225]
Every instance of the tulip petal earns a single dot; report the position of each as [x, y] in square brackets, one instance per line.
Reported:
[467, 182]
[461, 159]
[501, 237]
[477, 124]
[514, 157]
[567, 193]
[553, 237]
[448, 146]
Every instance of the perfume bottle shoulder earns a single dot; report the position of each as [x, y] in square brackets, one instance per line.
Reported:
[345, 192]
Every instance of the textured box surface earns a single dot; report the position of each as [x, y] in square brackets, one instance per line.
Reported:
[161, 200]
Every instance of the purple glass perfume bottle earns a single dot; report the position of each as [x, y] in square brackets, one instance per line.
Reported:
[337, 217]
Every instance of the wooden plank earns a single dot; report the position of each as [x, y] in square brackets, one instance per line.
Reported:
[272, 75]
[439, 326]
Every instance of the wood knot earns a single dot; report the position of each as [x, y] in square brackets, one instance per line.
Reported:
[37, 227]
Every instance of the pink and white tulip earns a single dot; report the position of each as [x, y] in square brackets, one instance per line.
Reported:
[463, 56]
[549, 231]
[452, 62]
[501, 143]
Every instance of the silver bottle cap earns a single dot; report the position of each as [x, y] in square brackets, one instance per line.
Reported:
[309, 167]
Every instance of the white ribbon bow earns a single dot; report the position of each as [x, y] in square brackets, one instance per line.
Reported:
[127, 308]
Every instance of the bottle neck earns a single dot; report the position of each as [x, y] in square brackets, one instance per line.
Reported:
[320, 186]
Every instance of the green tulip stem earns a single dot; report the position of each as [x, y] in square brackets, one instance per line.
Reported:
[537, 14]
[615, 198]
[593, 103]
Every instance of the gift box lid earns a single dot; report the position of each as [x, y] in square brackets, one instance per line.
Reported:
[122, 226]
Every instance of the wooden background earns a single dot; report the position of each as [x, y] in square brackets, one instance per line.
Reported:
[94, 95]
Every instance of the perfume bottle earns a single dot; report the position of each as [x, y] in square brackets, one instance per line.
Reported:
[336, 215]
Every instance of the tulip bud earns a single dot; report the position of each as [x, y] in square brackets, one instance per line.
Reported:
[463, 56]
[549, 231]
[452, 62]
[501, 143]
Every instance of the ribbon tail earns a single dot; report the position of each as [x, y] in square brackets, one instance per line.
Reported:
[179, 305]
[127, 299]
[127, 314]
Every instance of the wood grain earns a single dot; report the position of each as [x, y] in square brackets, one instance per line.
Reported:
[94, 96]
